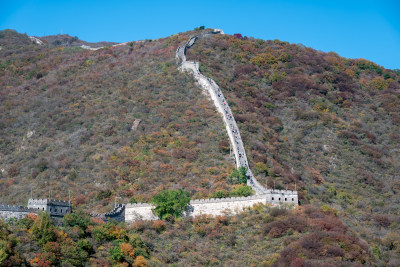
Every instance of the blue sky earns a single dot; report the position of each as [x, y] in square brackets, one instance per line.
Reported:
[353, 29]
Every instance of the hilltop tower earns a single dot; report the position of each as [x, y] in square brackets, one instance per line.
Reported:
[56, 208]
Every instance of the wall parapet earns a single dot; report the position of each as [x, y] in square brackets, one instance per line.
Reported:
[45, 201]
[229, 199]
[16, 208]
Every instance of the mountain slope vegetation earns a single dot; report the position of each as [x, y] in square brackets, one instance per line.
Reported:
[67, 116]
[328, 123]
[323, 124]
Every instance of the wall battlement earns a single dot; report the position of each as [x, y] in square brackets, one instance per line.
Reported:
[216, 206]
[45, 201]
[15, 208]
[56, 208]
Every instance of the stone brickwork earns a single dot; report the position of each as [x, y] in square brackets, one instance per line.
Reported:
[139, 211]
[216, 206]
[56, 208]
[18, 212]
[117, 214]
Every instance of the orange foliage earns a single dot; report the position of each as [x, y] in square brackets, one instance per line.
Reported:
[40, 261]
[127, 249]
[32, 216]
[140, 261]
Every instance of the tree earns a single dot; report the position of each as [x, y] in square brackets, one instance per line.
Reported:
[239, 176]
[170, 203]
[43, 229]
[78, 218]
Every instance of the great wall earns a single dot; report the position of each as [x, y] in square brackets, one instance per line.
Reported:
[144, 211]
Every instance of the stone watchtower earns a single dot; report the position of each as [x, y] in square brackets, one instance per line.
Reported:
[56, 208]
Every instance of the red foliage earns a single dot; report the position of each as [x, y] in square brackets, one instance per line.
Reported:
[159, 226]
[297, 262]
[238, 36]
[383, 220]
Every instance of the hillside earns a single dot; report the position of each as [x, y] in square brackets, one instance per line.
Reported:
[329, 123]
[67, 116]
[326, 124]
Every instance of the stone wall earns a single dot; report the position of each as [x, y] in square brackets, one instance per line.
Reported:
[139, 211]
[216, 206]
[18, 212]
[56, 208]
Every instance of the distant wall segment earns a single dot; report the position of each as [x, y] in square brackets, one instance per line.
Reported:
[56, 208]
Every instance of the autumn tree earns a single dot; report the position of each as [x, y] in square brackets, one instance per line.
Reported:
[43, 229]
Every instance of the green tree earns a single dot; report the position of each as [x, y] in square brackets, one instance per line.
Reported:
[239, 176]
[116, 253]
[171, 203]
[43, 229]
[78, 218]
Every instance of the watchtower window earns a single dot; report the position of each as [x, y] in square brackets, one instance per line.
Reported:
[292, 199]
[50, 209]
[285, 199]
[61, 210]
[279, 199]
[43, 208]
[272, 198]
[55, 210]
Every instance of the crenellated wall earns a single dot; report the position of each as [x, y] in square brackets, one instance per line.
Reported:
[139, 211]
[56, 208]
[117, 214]
[216, 206]
[10, 211]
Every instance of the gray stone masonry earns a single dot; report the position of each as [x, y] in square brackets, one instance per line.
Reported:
[56, 208]
[217, 206]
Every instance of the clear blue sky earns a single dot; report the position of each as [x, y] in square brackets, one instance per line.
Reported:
[353, 29]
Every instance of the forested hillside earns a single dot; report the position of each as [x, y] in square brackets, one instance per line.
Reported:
[69, 121]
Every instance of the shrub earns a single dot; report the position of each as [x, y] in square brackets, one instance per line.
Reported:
[159, 226]
[383, 220]
[13, 171]
[241, 190]
[200, 28]
[103, 194]
[116, 253]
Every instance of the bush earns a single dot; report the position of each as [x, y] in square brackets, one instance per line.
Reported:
[170, 203]
[200, 28]
[103, 194]
[116, 253]
[241, 190]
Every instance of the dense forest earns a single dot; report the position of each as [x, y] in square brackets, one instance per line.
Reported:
[327, 124]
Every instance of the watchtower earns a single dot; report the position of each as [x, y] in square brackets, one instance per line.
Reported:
[56, 208]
